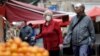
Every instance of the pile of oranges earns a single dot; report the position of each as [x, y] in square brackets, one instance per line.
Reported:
[15, 47]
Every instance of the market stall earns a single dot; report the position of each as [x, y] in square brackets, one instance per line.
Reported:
[94, 13]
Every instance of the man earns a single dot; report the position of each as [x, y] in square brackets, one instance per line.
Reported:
[32, 38]
[26, 33]
[81, 32]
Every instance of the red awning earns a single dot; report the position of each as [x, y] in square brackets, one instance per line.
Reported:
[18, 11]
[2, 10]
[95, 11]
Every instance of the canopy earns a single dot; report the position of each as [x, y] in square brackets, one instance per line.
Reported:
[18, 11]
[2, 10]
[95, 11]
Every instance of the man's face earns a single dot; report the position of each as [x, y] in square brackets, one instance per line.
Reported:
[78, 9]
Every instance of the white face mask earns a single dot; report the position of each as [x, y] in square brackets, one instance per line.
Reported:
[48, 18]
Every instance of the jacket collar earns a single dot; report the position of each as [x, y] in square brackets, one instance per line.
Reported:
[49, 23]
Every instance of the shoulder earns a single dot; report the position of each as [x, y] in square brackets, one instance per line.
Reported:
[28, 27]
[56, 23]
[53, 22]
[74, 18]
[88, 18]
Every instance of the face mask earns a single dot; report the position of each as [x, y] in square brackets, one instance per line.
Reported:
[48, 18]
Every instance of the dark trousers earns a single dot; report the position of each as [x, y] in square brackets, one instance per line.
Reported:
[54, 53]
[83, 50]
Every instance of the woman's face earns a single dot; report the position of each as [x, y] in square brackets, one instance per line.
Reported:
[48, 18]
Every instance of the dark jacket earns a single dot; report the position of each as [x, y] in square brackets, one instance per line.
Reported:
[26, 31]
[83, 33]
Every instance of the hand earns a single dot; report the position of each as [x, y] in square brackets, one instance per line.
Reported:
[33, 38]
[60, 46]
[66, 45]
[93, 45]
[26, 38]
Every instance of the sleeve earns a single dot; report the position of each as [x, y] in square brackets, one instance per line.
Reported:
[40, 35]
[30, 32]
[91, 30]
[58, 29]
[71, 25]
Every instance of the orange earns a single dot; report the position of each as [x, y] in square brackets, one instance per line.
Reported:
[19, 50]
[7, 49]
[14, 54]
[45, 53]
[23, 44]
[39, 54]
[24, 49]
[41, 50]
[32, 55]
[17, 40]
[7, 53]
[13, 47]
[2, 47]
[1, 53]
[29, 49]
[34, 49]
[8, 44]
[10, 41]
[28, 54]
[21, 54]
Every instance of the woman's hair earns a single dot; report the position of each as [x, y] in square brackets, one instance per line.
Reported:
[48, 12]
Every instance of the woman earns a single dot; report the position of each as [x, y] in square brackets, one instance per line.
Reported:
[51, 33]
